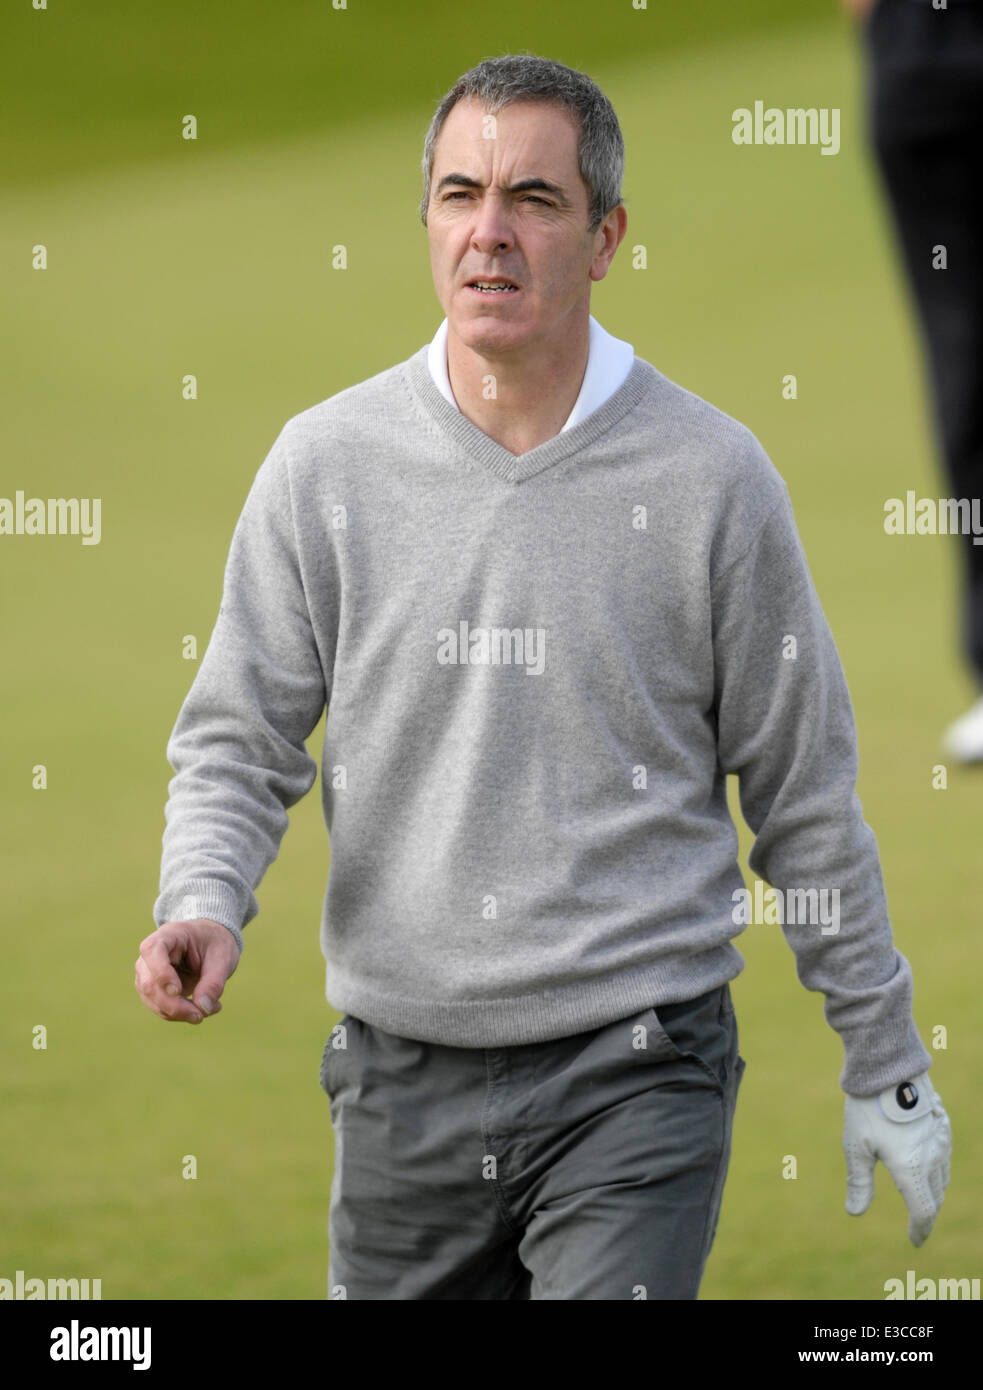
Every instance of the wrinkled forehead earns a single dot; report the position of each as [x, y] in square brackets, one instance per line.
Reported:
[527, 144]
[523, 133]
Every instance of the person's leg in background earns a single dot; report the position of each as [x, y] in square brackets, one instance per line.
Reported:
[925, 119]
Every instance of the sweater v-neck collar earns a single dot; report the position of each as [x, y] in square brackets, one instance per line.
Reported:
[516, 468]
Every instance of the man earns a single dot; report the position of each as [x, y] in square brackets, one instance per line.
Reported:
[925, 121]
[544, 593]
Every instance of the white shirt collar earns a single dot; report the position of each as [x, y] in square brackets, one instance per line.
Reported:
[609, 360]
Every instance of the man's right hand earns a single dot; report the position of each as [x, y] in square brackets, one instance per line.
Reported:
[182, 969]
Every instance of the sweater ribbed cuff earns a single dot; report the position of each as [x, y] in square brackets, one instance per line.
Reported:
[215, 902]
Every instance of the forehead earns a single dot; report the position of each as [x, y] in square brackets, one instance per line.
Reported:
[526, 137]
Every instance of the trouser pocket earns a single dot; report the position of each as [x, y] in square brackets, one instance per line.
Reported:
[701, 1032]
[332, 1058]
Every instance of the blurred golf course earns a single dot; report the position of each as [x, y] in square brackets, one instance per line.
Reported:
[212, 257]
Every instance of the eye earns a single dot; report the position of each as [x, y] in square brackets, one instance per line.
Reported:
[533, 199]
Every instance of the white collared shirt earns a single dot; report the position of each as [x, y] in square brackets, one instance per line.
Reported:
[609, 360]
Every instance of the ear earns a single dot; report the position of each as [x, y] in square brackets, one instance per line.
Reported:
[607, 239]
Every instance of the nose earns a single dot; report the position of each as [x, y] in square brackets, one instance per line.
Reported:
[492, 231]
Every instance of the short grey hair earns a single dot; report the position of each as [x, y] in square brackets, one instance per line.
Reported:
[498, 82]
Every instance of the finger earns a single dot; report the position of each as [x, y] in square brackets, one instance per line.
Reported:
[920, 1228]
[936, 1184]
[945, 1142]
[156, 951]
[174, 1009]
[941, 1154]
[170, 1009]
[142, 978]
[859, 1181]
[922, 1210]
[218, 963]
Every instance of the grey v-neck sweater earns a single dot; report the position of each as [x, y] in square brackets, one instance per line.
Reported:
[538, 670]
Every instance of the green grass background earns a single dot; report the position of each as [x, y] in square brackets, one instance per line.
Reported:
[213, 257]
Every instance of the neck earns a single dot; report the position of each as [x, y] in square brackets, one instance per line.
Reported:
[534, 388]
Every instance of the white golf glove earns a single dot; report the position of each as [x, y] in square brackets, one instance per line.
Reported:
[906, 1128]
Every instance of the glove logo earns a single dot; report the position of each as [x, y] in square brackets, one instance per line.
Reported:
[907, 1095]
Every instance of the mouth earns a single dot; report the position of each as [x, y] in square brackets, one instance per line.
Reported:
[492, 285]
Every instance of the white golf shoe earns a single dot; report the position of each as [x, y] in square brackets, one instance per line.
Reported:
[963, 740]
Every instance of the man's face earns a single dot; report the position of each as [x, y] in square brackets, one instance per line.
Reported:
[485, 220]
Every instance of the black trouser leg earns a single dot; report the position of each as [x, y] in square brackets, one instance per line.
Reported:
[926, 125]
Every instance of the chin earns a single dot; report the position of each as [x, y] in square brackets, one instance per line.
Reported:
[485, 333]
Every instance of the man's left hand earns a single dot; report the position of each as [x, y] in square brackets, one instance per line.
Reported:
[906, 1128]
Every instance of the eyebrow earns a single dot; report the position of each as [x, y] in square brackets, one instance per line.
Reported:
[521, 186]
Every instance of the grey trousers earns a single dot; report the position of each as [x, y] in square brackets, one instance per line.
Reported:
[590, 1166]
